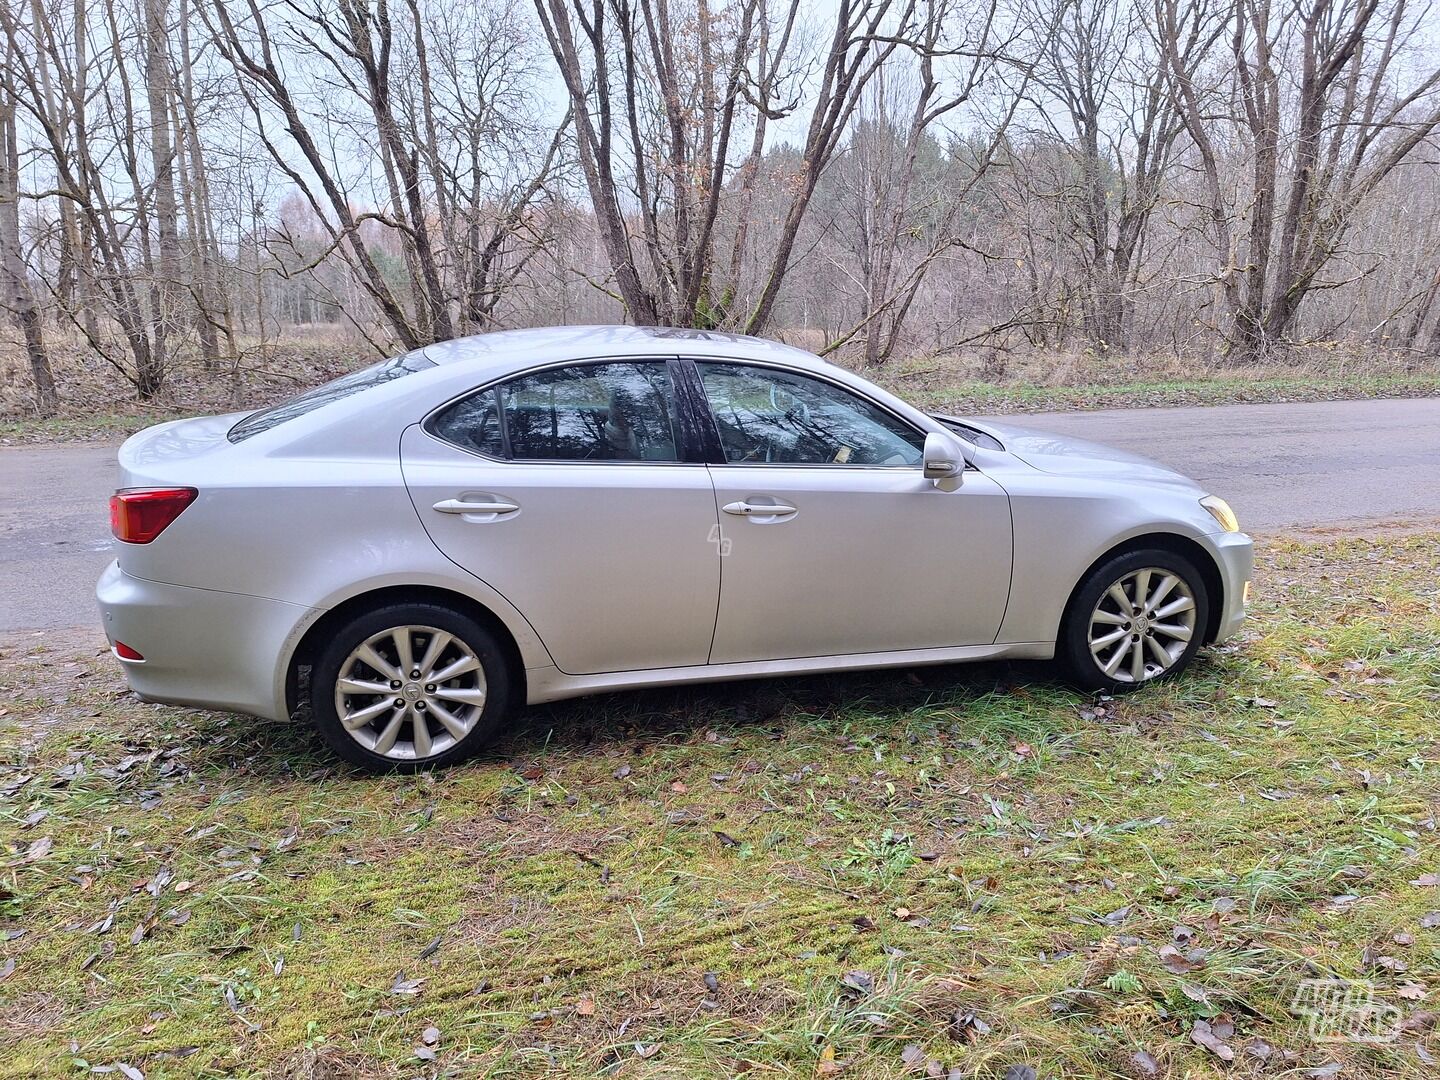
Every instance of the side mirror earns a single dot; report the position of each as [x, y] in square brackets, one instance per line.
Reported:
[944, 459]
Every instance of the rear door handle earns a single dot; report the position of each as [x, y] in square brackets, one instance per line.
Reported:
[746, 509]
[460, 506]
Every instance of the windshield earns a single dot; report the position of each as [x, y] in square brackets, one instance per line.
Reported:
[343, 387]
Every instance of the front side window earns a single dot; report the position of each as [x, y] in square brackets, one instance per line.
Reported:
[587, 412]
[781, 418]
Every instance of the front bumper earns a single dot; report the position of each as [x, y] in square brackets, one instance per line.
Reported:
[203, 648]
[1235, 555]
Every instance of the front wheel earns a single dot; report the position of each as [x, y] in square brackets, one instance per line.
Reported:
[408, 687]
[1137, 618]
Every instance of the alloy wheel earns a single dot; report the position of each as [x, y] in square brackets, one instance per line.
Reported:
[1142, 625]
[410, 692]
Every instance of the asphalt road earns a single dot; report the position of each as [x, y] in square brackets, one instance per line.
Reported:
[1283, 467]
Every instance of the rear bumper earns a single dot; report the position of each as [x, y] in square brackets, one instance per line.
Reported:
[207, 649]
[1235, 555]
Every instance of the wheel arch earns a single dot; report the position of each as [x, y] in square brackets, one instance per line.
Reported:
[308, 648]
[1190, 549]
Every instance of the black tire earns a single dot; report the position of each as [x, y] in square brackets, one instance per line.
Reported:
[482, 728]
[1073, 649]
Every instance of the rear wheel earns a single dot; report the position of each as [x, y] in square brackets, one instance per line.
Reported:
[410, 686]
[1137, 618]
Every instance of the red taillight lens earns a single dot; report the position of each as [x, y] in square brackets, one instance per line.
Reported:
[138, 515]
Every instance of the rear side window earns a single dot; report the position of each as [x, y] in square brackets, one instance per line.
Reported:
[585, 412]
[343, 387]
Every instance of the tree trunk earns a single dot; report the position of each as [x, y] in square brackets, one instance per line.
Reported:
[17, 295]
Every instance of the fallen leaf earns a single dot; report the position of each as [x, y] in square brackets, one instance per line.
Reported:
[622, 772]
[430, 1036]
[1145, 1063]
[585, 1007]
[38, 849]
[1203, 1035]
[1177, 962]
[827, 1065]
[679, 787]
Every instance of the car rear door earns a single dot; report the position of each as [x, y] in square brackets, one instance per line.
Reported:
[567, 490]
[833, 541]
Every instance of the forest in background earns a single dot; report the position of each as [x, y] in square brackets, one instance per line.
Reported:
[206, 184]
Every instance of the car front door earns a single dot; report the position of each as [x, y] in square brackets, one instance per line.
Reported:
[567, 491]
[832, 540]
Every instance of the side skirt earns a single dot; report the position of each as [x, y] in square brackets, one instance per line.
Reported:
[551, 684]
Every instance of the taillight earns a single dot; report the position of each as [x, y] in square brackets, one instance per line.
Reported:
[138, 515]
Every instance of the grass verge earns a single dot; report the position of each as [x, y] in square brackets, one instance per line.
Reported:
[964, 869]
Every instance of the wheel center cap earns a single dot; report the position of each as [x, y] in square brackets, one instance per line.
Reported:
[1142, 624]
[413, 691]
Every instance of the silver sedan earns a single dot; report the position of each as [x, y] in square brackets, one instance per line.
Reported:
[410, 552]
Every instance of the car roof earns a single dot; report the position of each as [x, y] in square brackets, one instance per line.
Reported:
[507, 350]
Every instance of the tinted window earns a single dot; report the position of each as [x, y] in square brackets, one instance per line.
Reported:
[343, 387]
[473, 424]
[588, 412]
[777, 417]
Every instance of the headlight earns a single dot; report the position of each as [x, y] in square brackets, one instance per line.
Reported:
[1221, 512]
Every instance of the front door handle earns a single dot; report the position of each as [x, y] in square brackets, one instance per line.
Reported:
[746, 509]
[460, 506]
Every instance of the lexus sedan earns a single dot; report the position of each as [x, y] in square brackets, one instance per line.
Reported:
[408, 553]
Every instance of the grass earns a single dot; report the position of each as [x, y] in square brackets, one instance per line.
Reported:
[860, 875]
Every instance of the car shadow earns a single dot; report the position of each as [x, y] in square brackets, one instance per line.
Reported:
[682, 711]
[264, 751]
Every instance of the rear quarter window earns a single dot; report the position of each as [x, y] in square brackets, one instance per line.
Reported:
[307, 402]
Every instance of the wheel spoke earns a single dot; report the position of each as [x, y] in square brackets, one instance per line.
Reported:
[438, 641]
[467, 696]
[1116, 592]
[1174, 630]
[403, 652]
[460, 667]
[452, 723]
[1168, 582]
[361, 686]
[368, 654]
[1109, 639]
[361, 717]
[1137, 662]
[1142, 590]
[420, 734]
[1113, 664]
[1109, 618]
[1179, 604]
[386, 742]
[1162, 657]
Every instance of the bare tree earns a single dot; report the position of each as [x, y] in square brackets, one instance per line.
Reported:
[1361, 105]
